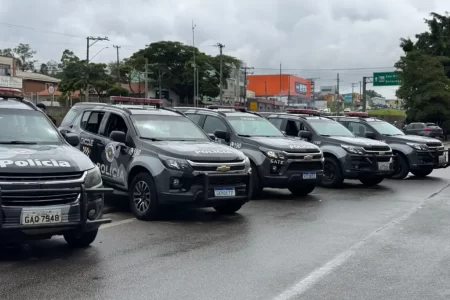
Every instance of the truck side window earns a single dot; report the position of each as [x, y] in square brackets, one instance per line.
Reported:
[358, 129]
[212, 124]
[302, 126]
[115, 123]
[292, 128]
[91, 121]
[195, 118]
[276, 122]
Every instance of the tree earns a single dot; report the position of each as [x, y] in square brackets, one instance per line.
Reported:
[175, 61]
[50, 68]
[372, 94]
[424, 72]
[23, 55]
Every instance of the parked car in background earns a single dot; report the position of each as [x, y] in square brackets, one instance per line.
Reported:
[424, 129]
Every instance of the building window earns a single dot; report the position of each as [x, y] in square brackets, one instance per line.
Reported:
[5, 70]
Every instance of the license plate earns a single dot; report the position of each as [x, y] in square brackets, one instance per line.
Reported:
[383, 166]
[224, 192]
[309, 176]
[41, 217]
[442, 159]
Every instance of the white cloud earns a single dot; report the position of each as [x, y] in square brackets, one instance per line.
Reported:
[301, 34]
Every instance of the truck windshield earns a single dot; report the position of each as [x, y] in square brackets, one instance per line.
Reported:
[329, 128]
[253, 126]
[385, 128]
[26, 127]
[168, 128]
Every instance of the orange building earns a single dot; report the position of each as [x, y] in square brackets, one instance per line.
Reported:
[269, 85]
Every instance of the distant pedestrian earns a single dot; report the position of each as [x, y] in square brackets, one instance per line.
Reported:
[42, 107]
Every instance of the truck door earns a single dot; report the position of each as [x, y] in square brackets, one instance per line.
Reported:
[89, 134]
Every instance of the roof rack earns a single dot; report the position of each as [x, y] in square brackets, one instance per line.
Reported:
[310, 112]
[221, 107]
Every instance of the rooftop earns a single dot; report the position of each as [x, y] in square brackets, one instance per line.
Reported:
[36, 77]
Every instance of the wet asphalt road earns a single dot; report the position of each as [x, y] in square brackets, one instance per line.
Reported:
[387, 242]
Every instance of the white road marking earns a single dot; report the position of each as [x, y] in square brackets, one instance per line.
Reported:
[315, 276]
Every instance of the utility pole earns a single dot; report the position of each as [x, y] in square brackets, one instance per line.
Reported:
[221, 46]
[280, 85]
[336, 103]
[365, 81]
[88, 45]
[118, 63]
[194, 65]
[146, 79]
[246, 72]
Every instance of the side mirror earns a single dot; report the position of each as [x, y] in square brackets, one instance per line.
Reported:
[72, 139]
[370, 135]
[220, 134]
[118, 136]
[304, 134]
[212, 136]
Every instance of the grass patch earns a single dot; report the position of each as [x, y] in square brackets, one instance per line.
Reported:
[387, 112]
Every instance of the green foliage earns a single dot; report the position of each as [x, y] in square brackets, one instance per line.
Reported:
[117, 90]
[23, 55]
[387, 112]
[171, 65]
[425, 72]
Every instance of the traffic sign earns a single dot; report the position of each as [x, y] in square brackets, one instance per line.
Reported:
[385, 79]
[253, 106]
[51, 89]
[348, 98]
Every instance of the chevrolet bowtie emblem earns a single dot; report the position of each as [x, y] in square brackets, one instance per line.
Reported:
[223, 169]
[307, 157]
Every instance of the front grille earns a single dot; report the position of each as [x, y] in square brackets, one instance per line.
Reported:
[214, 168]
[27, 177]
[434, 145]
[303, 150]
[305, 166]
[377, 148]
[302, 156]
[38, 198]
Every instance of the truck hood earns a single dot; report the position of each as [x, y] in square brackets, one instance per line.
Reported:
[42, 159]
[356, 141]
[197, 151]
[282, 144]
[412, 139]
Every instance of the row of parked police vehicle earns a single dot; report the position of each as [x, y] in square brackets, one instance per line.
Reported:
[53, 181]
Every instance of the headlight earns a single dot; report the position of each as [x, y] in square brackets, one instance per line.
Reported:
[354, 149]
[247, 164]
[93, 178]
[175, 163]
[273, 154]
[418, 146]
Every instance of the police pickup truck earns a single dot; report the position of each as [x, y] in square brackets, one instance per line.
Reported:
[419, 155]
[277, 161]
[346, 156]
[47, 187]
[160, 157]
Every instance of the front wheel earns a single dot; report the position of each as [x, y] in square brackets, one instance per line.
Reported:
[371, 180]
[80, 239]
[332, 173]
[143, 199]
[422, 173]
[401, 167]
[302, 190]
[257, 189]
[229, 208]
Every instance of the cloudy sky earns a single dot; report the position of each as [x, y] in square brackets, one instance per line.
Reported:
[310, 38]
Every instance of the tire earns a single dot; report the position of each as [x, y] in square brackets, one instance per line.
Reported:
[401, 167]
[371, 180]
[422, 173]
[80, 239]
[257, 189]
[143, 197]
[302, 190]
[229, 208]
[335, 178]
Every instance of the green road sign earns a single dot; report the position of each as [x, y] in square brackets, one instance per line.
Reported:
[385, 79]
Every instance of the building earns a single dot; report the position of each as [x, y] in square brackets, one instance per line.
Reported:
[8, 77]
[287, 88]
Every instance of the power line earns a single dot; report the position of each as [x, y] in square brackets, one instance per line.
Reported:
[331, 69]
[37, 29]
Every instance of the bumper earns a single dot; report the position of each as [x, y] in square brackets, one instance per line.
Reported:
[420, 160]
[290, 172]
[74, 216]
[353, 166]
[199, 190]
